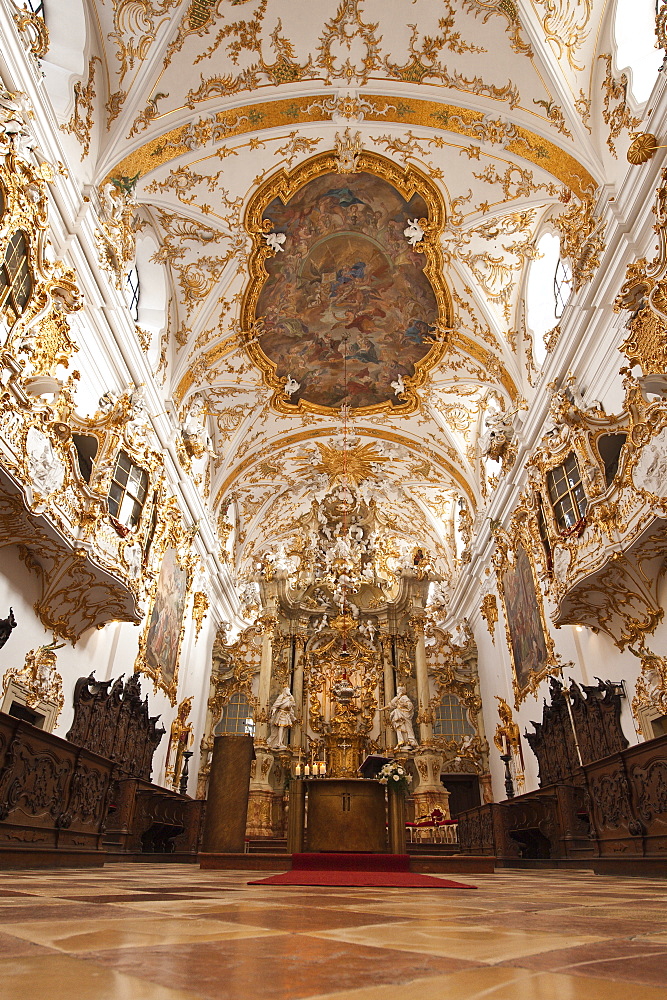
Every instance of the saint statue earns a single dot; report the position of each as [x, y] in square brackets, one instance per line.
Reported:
[283, 716]
[401, 711]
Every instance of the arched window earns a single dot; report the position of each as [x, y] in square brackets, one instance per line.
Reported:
[133, 293]
[127, 492]
[562, 286]
[634, 34]
[34, 6]
[15, 280]
[451, 719]
[542, 301]
[236, 717]
[566, 493]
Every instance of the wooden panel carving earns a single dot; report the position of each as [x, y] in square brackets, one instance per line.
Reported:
[53, 798]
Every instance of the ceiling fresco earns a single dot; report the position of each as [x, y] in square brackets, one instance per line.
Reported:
[346, 308]
[231, 119]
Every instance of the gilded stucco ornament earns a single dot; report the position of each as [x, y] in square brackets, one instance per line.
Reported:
[451, 658]
[116, 236]
[38, 678]
[234, 666]
[489, 611]
[200, 606]
[644, 296]
[32, 28]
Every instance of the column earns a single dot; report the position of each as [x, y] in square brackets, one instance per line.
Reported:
[389, 691]
[430, 793]
[268, 623]
[424, 714]
[297, 690]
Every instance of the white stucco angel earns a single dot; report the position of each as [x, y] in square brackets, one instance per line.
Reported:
[398, 386]
[283, 717]
[291, 386]
[275, 241]
[413, 232]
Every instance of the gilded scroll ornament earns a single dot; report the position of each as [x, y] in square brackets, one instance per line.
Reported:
[616, 110]
[33, 29]
[644, 296]
[81, 122]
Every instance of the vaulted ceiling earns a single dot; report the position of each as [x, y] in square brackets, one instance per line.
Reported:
[491, 103]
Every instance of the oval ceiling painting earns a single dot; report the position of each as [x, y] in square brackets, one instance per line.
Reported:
[347, 310]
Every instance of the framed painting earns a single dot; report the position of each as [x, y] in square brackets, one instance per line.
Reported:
[531, 647]
[162, 639]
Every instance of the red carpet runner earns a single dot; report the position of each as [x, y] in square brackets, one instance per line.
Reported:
[366, 870]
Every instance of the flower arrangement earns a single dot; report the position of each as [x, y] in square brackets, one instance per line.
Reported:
[395, 777]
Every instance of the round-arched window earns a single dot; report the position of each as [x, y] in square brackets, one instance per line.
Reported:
[634, 35]
[236, 717]
[451, 719]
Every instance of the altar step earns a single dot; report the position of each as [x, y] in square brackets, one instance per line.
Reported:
[266, 845]
[439, 864]
[439, 850]
[278, 845]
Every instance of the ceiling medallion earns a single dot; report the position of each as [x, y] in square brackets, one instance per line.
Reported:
[346, 304]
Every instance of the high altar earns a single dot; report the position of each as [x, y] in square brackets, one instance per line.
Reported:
[347, 659]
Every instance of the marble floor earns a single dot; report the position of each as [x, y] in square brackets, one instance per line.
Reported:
[173, 932]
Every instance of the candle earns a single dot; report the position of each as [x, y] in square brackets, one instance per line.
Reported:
[504, 744]
[306, 771]
[297, 770]
[322, 769]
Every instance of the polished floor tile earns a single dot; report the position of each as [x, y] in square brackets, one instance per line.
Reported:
[173, 932]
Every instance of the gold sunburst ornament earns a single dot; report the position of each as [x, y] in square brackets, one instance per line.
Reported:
[349, 465]
[642, 148]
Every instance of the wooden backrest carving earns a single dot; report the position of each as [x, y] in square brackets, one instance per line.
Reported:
[595, 713]
[111, 719]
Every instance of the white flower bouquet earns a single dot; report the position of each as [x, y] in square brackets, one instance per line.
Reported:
[395, 777]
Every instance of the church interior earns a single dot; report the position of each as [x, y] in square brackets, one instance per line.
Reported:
[332, 631]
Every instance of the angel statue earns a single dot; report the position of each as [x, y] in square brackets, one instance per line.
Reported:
[283, 716]
[401, 711]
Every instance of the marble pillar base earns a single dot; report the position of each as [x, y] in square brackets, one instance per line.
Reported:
[429, 792]
[427, 800]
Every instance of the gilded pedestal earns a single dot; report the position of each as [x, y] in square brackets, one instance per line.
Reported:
[260, 798]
